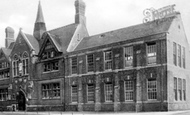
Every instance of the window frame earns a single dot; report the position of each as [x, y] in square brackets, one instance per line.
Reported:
[179, 54]
[108, 63]
[75, 95]
[74, 66]
[175, 89]
[175, 53]
[151, 49]
[129, 90]
[90, 64]
[150, 90]
[128, 56]
[49, 92]
[92, 93]
[108, 93]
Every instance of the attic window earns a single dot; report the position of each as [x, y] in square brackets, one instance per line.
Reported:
[103, 35]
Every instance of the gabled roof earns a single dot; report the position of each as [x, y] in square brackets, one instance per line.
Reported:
[32, 40]
[11, 45]
[62, 36]
[132, 32]
[6, 51]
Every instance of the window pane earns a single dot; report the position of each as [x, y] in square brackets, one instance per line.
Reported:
[108, 60]
[128, 56]
[128, 90]
[151, 53]
[90, 61]
[90, 93]
[74, 94]
[74, 65]
[175, 88]
[152, 89]
[179, 55]
[108, 92]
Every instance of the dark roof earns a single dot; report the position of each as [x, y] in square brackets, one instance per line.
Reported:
[11, 45]
[6, 51]
[33, 42]
[62, 36]
[132, 32]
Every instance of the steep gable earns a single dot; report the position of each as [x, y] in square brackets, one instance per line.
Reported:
[62, 36]
[50, 47]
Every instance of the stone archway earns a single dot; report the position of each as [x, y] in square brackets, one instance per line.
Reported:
[21, 100]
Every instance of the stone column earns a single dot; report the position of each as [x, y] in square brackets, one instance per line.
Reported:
[80, 97]
[117, 94]
[138, 93]
[97, 93]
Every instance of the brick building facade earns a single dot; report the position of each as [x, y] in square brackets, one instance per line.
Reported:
[139, 68]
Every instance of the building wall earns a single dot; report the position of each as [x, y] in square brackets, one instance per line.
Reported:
[140, 72]
[177, 35]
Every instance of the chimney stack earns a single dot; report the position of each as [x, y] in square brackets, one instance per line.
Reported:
[80, 12]
[9, 32]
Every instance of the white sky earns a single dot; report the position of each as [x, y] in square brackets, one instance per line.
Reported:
[101, 15]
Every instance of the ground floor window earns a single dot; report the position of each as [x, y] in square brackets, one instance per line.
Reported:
[180, 88]
[51, 90]
[90, 92]
[3, 94]
[152, 89]
[108, 92]
[175, 88]
[74, 94]
[129, 90]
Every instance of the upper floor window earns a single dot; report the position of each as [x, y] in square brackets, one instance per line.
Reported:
[74, 65]
[183, 57]
[174, 53]
[25, 62]
[152, 89]
[128, 56]
[51, 91]
[179, 55]
[51, 66]
[4, 65]
[90, 62]
[108, 60]
[151, 53]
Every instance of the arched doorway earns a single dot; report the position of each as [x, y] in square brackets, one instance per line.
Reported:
[21, 100]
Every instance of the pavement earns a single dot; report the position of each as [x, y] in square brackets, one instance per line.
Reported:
[95, 113]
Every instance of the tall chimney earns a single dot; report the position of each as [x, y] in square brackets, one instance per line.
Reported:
[9, 32]
[80, 12]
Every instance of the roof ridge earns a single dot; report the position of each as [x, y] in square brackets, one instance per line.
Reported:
[128, 27]
[61, 27]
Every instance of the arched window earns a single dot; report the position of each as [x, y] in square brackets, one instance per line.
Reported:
[25, 60]
[15, 66]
